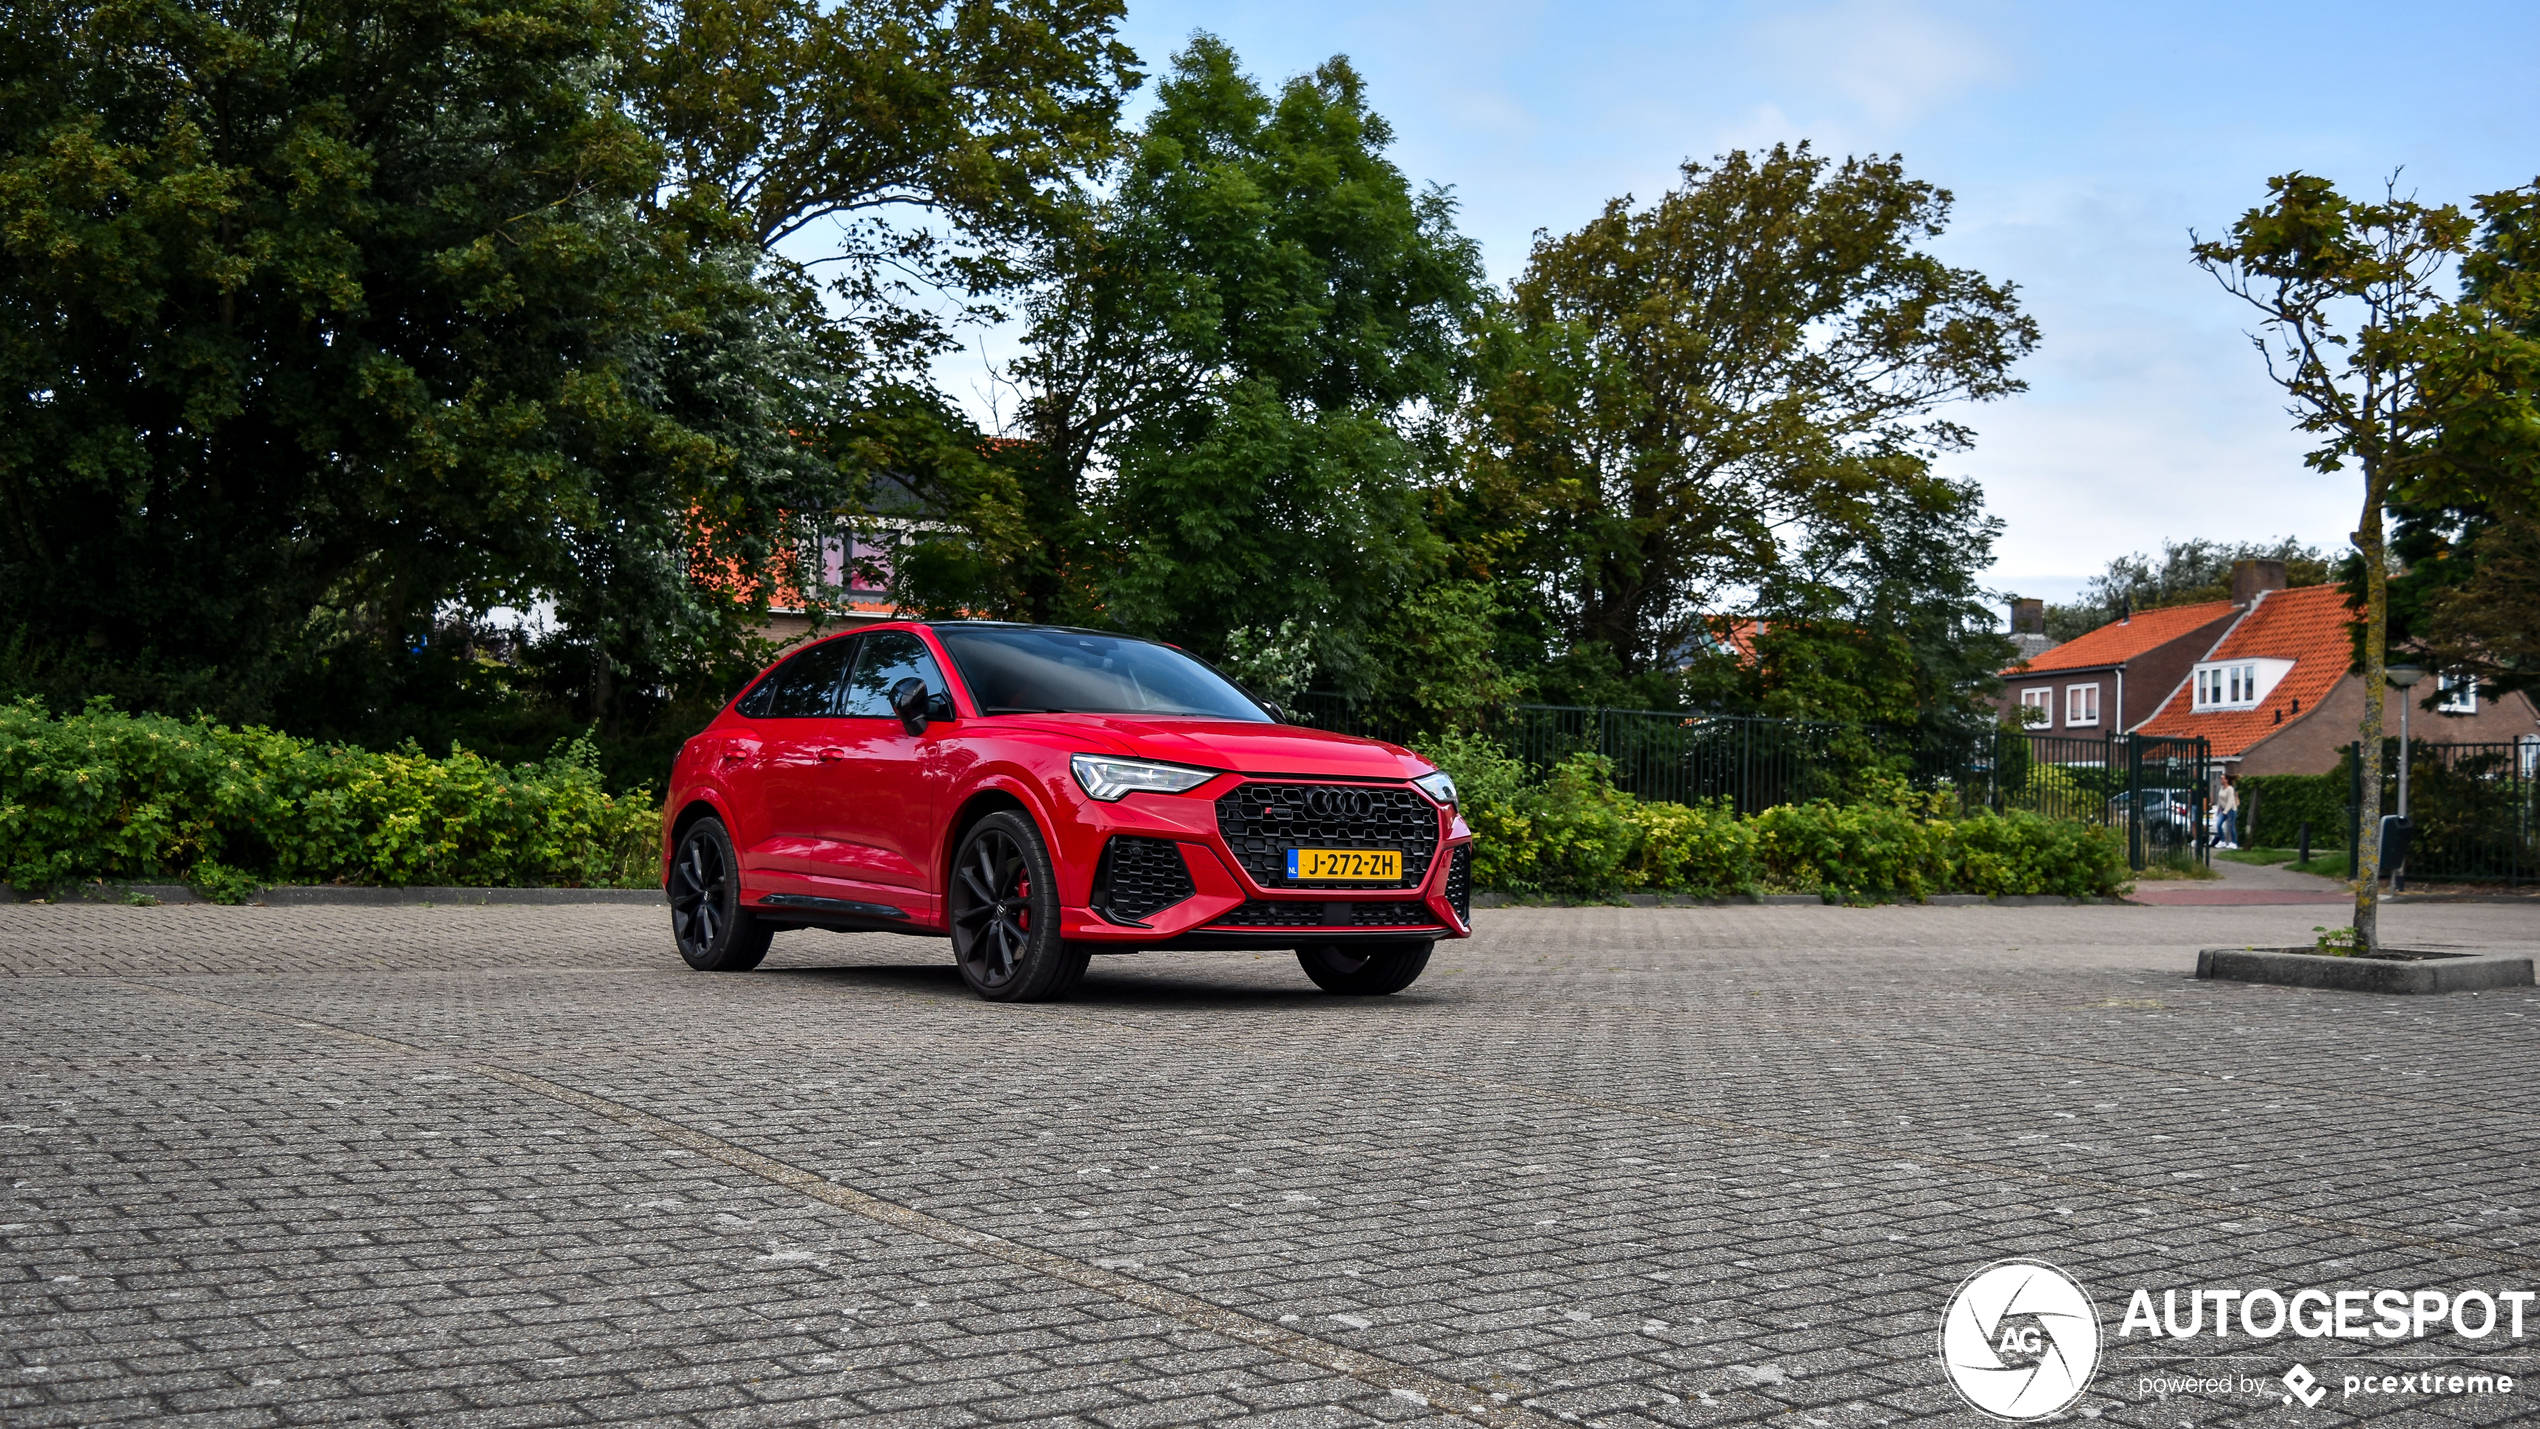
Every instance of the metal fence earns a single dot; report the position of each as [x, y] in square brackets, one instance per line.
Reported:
[1756, 763]
[2472, 810]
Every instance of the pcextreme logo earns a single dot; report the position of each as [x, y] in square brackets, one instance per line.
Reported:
[2020, 1340]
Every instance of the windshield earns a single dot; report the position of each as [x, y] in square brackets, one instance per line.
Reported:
[1021, 669]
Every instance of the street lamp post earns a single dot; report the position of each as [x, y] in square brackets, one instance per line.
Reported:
[2405, 677]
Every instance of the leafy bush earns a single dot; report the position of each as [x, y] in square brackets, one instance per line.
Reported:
[2276, 806]
[104, 795]
[1575, 835]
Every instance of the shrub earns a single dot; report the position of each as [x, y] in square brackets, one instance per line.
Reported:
[1575, 835]
[1703, 849]
[105, 795]
[2277, 805]
[1853, 851]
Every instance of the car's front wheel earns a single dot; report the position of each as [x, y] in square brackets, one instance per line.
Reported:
[1365, 969]
[1004, 915]
[714, 932]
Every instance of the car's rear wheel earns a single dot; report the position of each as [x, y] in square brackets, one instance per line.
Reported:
[1004, 915]
[1365, 969]
[715, 933]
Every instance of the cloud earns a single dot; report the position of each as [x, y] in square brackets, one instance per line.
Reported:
[1890, 64]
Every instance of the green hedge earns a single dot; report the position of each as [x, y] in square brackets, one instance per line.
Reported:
[1574, 835]
[104, 795]
[2277, 804]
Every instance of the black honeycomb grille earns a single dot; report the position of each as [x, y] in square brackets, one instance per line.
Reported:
[1262, 822]
[1459, 882]
[1140, 878]
[1297, 913]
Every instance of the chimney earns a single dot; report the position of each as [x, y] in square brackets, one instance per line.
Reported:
[2251, 579]
[2028, 617]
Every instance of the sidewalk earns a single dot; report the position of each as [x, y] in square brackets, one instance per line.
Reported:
[2245, 885]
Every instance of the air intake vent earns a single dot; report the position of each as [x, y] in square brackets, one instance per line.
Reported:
[1262, 822]
[1459, 883]
[1139, 878]
[1264, 913]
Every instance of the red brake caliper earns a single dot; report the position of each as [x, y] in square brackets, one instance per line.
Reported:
[1023, 891]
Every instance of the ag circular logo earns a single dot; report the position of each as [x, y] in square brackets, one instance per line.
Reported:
[1346, 803]
[2020, 1340]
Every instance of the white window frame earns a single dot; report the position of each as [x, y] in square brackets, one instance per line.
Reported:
[2041, 699]
[2459, 694]
[2078, 698]
[2237, 684]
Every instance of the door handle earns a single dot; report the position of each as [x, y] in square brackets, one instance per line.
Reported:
[832, 756]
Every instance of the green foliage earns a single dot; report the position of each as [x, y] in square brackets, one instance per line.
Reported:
[326, 321]
[1672, 392]
[105, 795]
[2428, 394]
[2275, 806]
[2185, 573]
[1573, 835]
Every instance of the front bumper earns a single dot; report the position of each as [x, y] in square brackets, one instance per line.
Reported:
[1227, 907]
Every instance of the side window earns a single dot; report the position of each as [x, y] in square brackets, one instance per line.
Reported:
[805, 686]
[888, 658]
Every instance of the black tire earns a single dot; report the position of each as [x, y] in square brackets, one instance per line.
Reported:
[1364, 969]
[714, 932]
[1003, 908]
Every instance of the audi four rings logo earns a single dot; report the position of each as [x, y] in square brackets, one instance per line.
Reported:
[1343, 803]
[2020, 1340]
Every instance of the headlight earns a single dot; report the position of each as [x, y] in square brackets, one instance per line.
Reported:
[1111, 779]
[1439, 786]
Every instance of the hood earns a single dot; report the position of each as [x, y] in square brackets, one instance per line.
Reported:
[1240, 747]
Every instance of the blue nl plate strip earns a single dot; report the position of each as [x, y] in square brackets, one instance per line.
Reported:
[1292, 853]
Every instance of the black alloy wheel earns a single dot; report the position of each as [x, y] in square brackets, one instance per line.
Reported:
[1004, 914]
[1365, 969]
[715, 933]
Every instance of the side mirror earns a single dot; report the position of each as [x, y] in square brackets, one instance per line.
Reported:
[909, 701]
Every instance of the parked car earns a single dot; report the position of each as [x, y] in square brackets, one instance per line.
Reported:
[1040, 794]
[2169, 815]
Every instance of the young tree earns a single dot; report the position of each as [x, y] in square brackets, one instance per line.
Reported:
[2380, 365]
[1680, 391]
[1228, 363]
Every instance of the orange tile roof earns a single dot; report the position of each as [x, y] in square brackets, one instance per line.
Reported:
[2122, 640]
[2306, 626]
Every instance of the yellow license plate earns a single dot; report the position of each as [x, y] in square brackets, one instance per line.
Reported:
[1331, 865]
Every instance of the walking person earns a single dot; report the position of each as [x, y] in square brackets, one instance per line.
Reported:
[2227, 814]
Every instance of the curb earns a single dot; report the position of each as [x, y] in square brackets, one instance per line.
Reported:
[2447, 972]
[322, 896]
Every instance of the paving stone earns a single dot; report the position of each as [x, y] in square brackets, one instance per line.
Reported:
[1662, 1166]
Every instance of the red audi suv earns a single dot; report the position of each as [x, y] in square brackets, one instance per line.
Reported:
[1041, 794]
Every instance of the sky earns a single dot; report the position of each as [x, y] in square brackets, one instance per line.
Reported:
[2082, 142]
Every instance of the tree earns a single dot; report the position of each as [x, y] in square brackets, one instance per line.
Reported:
[1226, 366]
[2185, 573]
[325, 322]
[940, 137]
[1881, 618]
[2470, 593]
[2389, 374]
[1679, 393]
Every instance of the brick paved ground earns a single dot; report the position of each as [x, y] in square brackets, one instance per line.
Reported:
[515, 1166]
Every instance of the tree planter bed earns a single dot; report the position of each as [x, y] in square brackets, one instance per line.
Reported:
[2397, 970]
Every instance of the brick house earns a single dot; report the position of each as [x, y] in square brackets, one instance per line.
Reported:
[2107, 681]
[2275, 693]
